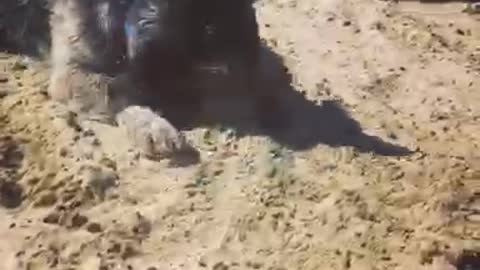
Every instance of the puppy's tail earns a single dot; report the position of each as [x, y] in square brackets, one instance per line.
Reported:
[24, 27]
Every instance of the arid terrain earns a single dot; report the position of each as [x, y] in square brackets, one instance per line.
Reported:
[378, 169]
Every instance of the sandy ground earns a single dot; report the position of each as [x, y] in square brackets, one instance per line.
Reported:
[379, 168]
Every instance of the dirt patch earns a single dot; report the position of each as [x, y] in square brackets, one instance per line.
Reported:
[379, 168]
[10, 160]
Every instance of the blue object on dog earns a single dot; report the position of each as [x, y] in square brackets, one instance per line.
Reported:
[131, 34]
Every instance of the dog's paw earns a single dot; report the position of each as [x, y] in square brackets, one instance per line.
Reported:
[155, 136]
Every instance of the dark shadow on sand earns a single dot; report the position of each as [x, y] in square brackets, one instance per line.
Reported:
[300, 124]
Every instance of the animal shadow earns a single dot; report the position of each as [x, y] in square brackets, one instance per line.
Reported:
[297, 123]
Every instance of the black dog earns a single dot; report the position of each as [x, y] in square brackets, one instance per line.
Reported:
[187, 49]
[108, 54]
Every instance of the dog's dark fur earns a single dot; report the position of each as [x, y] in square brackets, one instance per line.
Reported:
[178, 46]
[24, 27]
[188, 48]
[189, 32]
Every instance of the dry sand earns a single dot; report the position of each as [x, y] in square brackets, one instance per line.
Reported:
[336, 189]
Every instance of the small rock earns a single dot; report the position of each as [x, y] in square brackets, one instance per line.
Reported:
[256, 265]
[128, 252]
[392, 135]
[63, 152]
[52, 218]
[191, 193]
[115, 248]
[94, 227]
[220, 266]
[202, 263]
[78, 221]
